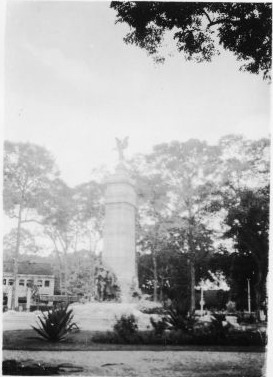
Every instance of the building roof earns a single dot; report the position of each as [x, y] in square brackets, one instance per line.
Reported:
[29, 268]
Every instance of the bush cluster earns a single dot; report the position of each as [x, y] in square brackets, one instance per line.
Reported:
[177, 329]
[150, 307]
[126, 328]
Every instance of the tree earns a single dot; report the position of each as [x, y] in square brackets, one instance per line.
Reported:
[89, 201]
[153, 220]
[153, 243]
[28, 173]
[245, 163]
[28, 245]
[179, 183]
[244, 169]
[242, 28]
[59, 212]
[73, 222]
[190, 169]
[81, 267]
[172, 274]
[248, 223]
[194, 241]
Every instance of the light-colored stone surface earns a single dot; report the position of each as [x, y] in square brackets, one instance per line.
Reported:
[90, 316]
[153, 363]
[119, 254]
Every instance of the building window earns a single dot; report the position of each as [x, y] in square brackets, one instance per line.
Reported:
[5, 300]
[22, 282]
[29, 283]
[10, 281]
[40, 283]
[47, 283]
[4, 281]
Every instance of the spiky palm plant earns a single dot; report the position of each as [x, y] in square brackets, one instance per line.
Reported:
[177, 319]
[56, 324]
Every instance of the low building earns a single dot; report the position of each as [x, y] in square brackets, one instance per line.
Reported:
[32, 279]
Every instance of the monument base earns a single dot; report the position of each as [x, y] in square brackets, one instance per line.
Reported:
[102, 316]
[129, 291]
[91, 316]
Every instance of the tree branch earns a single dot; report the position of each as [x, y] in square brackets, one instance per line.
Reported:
[208, 17]
[32, 221]
[222, 21]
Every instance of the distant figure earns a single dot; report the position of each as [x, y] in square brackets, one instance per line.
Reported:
[121, 145]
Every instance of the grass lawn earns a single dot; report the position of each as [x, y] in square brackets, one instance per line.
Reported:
[82, 341]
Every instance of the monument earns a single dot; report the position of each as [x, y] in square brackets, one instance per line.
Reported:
[119, 253]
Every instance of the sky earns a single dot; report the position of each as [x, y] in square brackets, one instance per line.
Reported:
[72, 85]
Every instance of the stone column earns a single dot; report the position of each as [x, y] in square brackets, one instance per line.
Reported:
[28, 298]
[119, 253]
[9, 296]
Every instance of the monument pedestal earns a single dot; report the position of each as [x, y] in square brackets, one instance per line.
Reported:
[119, 254]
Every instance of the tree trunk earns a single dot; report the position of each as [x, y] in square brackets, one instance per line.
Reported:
[258, 286]
[14, 304]
[65, 274]
[257, 290]
[161, 290]
[192, 266]
[155, 275]
[57, 254]
[92, 275]
[192, 286]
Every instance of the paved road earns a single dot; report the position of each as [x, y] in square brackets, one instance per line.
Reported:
[152, 363]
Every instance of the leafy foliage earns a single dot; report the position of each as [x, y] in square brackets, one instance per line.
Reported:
[13, 367]
[215, 330]
[248, 223]
[194, 333]
[56, 324]
[197, 28]
[178, 319]
[187, 171]
[27, 243]
[159, 326]
[150, 307]
[28, 172]
[126, 327]
[173, 274]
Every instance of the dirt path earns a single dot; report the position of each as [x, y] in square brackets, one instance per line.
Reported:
[152, 363]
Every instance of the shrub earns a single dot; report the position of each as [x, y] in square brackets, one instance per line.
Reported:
[126, 327]
[218, 330]
[56, 324]
[247, 338]
[179, 329]
[231, 307]
[246, 318]
[160, 326]
[108, 337]
[179, 337]
[145, 337]
[32, 368]
[178, 319]
[150, 307]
